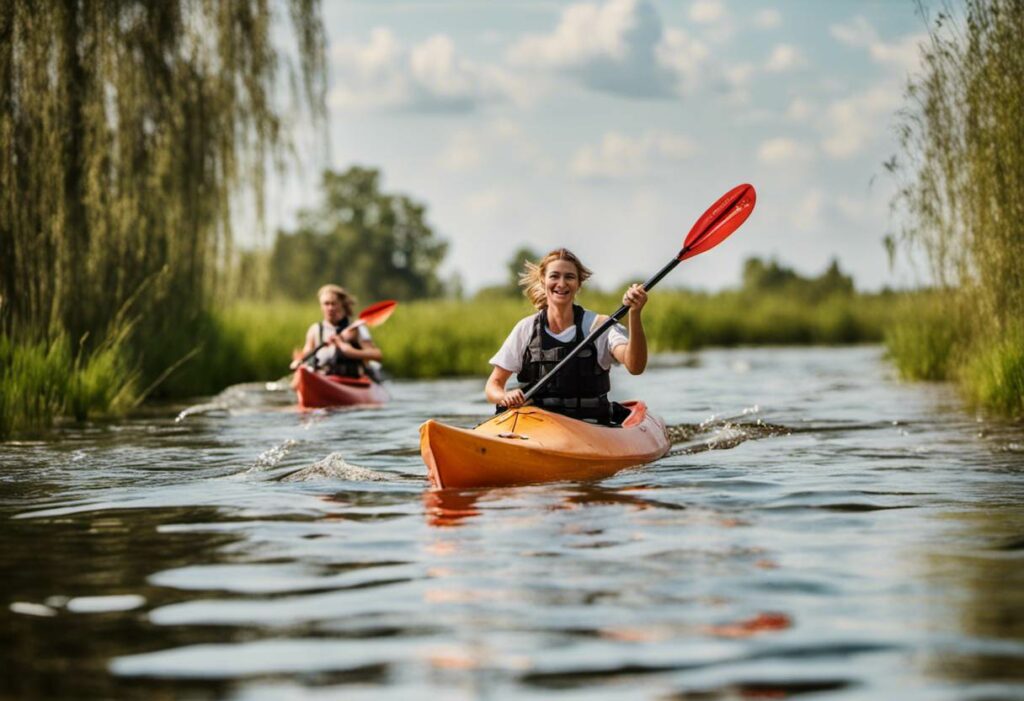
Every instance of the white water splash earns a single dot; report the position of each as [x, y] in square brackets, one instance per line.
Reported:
[271, 458]
[334, 466]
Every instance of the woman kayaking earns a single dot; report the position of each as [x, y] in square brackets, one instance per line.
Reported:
[347, 352]
[538, 342]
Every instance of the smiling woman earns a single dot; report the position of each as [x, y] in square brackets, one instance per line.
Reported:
[542, 340]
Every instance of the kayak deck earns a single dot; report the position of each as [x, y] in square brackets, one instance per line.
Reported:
[530, 445]
[322, 391]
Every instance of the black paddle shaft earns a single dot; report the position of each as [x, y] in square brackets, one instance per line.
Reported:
[603, 327]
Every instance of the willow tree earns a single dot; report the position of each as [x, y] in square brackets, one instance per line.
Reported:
[962, 138]
[127, 129]
[962, 198]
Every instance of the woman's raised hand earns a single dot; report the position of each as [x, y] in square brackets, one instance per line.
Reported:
[635, 297]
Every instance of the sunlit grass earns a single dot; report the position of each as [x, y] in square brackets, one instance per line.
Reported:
[994, 375]
[42, 381]
[962, 197]
[443, 338]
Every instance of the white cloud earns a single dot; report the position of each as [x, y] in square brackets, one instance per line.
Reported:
[783, 151]
[619, 156]
[683, 55]
[620, 47]
[800, 110]
[853, 123]
[707, 11]
[500, 145]
[430, 76]
[463, 153]
[806, 216]
[902, 54]
[768, 19]
[784, 57]
[484, 203]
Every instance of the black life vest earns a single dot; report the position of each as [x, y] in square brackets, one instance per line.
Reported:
[580, 389]
[339, 364]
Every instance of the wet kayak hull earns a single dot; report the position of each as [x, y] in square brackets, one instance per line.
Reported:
[323, 391]
[530, 445]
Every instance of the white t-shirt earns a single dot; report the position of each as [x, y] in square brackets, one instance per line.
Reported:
[325, 354]
[510, 355]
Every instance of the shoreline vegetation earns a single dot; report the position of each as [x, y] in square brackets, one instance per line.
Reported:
[119, 280]
[961, 204]
[253, 340]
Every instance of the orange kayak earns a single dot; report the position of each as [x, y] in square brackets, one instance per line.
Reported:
[316, 390]
[529, 445]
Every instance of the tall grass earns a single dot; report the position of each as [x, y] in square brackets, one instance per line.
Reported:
[440, 338]
[962, 202]
[44, 380]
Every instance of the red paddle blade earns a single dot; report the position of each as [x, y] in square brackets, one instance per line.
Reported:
[377, 313]
[721, 219]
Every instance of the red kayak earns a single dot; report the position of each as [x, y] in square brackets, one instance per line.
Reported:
[319, 391]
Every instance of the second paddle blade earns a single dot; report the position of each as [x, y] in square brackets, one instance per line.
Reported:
[377, 313]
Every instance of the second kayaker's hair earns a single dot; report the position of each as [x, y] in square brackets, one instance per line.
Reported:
[532, 277]
[348, 302]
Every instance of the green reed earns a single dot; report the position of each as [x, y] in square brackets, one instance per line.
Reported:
[961, 198]
[441, 338]
[43, 380]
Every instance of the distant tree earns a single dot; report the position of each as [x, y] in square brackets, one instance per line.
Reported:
[376, 244]
[515, 265]
[833, 281]
[759, 276]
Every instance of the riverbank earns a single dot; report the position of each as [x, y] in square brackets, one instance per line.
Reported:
[251, 340]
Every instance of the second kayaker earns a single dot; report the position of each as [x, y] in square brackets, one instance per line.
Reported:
[347, 353]
[538, 342]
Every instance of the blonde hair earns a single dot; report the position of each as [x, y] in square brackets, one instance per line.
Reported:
[532, 277]
[348, 302]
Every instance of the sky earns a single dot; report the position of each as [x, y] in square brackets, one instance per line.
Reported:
[609, 126]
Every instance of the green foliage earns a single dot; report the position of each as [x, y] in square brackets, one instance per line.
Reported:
[759, 276]
[43, 380]
[994, 377]
[922, 341]
[126, 130]
[961, 197]
[440, 338]
[378, 245]
[515, 266]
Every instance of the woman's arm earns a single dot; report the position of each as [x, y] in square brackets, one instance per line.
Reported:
[495, 389]
[311, 342]
[369, 350]
[633, 353]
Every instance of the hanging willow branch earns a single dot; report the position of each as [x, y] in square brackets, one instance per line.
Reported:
[126, 128]
[962, 160]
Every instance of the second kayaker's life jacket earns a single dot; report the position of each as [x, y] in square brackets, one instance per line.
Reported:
[580, 389]
[338, 364]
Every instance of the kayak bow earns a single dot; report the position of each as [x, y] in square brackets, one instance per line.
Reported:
[318, 391]
[530, 445]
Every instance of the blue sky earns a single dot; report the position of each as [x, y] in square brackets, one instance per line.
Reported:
[609, 126]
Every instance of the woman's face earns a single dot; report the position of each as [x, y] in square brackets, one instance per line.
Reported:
[330, 305]
[561, 282]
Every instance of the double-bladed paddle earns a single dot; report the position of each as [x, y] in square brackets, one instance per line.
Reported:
[714, 226]
[373, 315]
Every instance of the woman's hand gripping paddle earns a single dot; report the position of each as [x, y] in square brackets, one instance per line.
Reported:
[714, 226]
[373, 315]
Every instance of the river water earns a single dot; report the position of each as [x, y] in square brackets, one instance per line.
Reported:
[820, 530]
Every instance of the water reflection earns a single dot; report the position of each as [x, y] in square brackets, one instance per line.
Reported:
[844, 536]
[976, 628]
